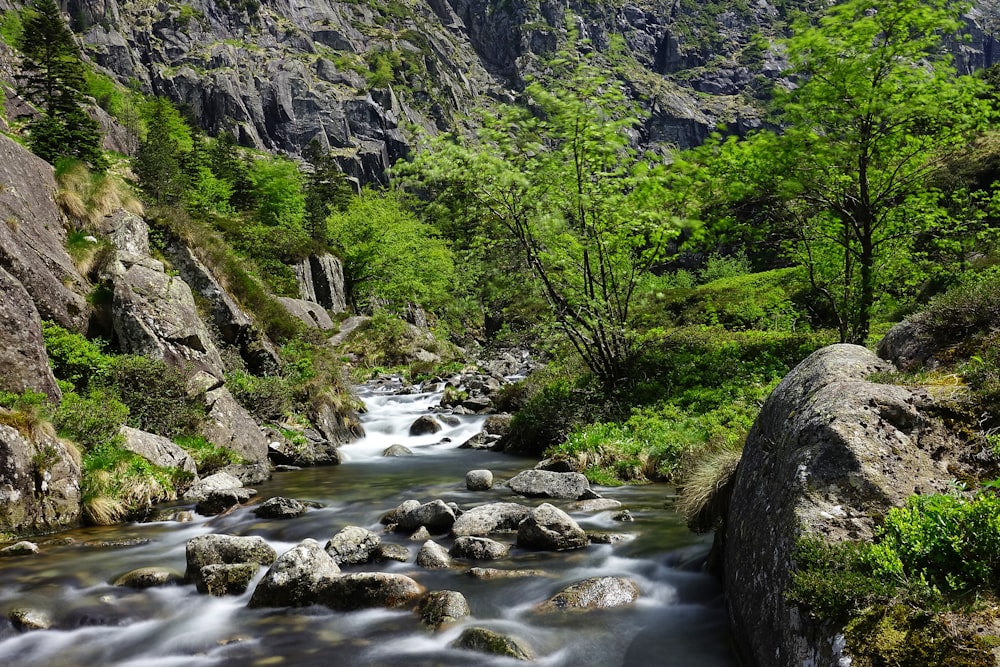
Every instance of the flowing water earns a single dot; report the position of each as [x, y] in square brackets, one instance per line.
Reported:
[679, 619]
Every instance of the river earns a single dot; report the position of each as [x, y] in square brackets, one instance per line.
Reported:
[679, 620]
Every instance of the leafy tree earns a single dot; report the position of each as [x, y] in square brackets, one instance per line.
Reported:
[391, 259]
[558, 178]
[52, 77]
[878, 108]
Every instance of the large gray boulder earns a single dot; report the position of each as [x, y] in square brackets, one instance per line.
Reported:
[593, 593]
[489, 519]
[33, 238]
[548, 484]
[440, 608]
[548, 528]
[24, 363]
[478, 548]
[310, 314]
[829, 452]
[39, 482]
[353, 545]
[297, 579]
[436, 515]
[433, 556]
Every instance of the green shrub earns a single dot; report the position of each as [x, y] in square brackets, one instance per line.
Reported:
[118, 484]
[91, 420]
[972, 307]
[268, 398]
[25, 411]
[208, 457]
[73, 357]
[156, 395]
[11, 27]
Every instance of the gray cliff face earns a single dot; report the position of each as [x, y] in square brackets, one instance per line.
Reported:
[825, 457]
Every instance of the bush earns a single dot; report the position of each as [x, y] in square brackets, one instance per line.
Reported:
[118, 484]
[92, 420]
[25, 412]
[970, 308]
[156, 395]
[208, 457]
[268, 398]
[74, 358]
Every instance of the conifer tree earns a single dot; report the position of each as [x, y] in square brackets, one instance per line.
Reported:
[52, 77]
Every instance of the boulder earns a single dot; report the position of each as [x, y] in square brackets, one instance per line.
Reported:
[223, 500]
[548, 528]
[479, 480]
[39, 482]
[484, 640]
[397, 450]
[33, 237]
[221, 579]
[229, 425]
[548, 484]
[440, 608]
[478, 548]
[296, 579]
[158, 450]
[311, 314]
[424, 425]
[594, 593]
[26, 620]
[208, 485]
[353, 545]
[149, 577]
[24, 363]
[337, 424]
[390, 551]
[213, 550]
[280, 508]
[312, 449]
[155, 315]
[829, 452]
[22, 548]
[321, 281]
[489, 519]
[493, 573]
[128, 232]
[433, 556]
[436, 516]
[367, 590]
[595, 505]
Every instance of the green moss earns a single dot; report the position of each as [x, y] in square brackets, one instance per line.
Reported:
[901, 636]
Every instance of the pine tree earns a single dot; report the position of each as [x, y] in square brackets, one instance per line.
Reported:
[52, 77]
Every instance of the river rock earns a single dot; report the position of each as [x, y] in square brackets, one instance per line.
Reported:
[435, 515]
[390, 551]
[433, 556]
[366, 590]
[479, 480]
[828, 454]
[207, 485]
[421, 535]
[595, 505]
[249, 473]
[26, 620]
[149, 577]
[489, 519]
[594, 593]
[607, 538]
[296, 579]
[23, 548]
[353, 545]
[547, 484]
[478, 548]
[397, 450]
[624, 517]
[440, 608]
[484, 640]
[223, 500]
[424, 425]
[280, 508]
[549, 528]
[207, 550]
[220, 579]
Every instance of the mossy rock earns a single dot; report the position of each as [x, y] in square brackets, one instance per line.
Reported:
[483, 640]
[903, 637]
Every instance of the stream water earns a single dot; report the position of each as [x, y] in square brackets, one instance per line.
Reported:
[679, 619]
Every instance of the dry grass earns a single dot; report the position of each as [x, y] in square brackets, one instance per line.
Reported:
[87, 197]
[705, 485]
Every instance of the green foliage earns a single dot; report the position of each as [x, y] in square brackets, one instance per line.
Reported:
[91, 420]
[118, 484]
[157, 163]
[391, 259]
[156, 395]
[11, 27]
[25, 411]
[834, 580]
[268, 398]
[73, 357]
[208, 457]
